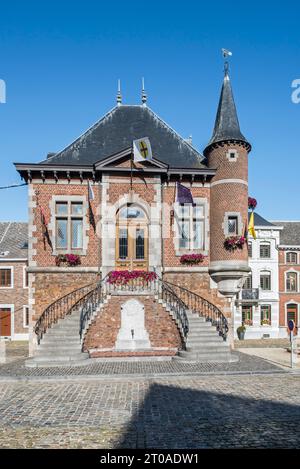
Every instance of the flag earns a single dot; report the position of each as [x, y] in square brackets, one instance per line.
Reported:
[44, 222]
[183, 194]
[91, 196]
[251, 228]
[142, 150]
[91, 192]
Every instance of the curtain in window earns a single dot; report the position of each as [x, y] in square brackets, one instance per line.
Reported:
[61, 237]
[77, 234]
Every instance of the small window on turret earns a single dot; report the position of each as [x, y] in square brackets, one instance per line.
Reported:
[232, 225]
[232, 154]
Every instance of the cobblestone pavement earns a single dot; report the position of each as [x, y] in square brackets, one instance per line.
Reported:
[246, 363]
[230, 411]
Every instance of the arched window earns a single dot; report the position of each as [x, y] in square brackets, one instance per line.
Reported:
[291, 258]
[291, 281]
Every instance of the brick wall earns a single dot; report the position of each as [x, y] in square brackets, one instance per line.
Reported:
[44, 255]
[199, 283]
[227, 197]
[162, 329]
[52, 286]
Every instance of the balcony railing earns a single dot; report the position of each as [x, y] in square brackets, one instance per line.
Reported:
[250, 294]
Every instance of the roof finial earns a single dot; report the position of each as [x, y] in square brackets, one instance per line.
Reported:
[226, 53]
[119, 96]
[144, 95]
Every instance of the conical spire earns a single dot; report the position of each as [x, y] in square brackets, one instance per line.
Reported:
[227, 125]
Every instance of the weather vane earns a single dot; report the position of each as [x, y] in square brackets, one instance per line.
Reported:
[226, 53]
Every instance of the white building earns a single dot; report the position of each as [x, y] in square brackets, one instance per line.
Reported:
[257, 304]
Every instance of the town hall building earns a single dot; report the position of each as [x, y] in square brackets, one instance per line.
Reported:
[143, 258]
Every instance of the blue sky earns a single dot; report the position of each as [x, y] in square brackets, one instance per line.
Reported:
[61, 62]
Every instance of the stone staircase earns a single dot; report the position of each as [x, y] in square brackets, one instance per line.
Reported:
[204, 343]
[60, 345]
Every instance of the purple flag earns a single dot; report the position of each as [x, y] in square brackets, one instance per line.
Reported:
[184, 195]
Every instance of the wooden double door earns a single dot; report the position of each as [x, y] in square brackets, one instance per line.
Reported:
[131, 239]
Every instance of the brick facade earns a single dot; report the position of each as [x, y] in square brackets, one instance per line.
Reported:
[288, 297]
[102, 334]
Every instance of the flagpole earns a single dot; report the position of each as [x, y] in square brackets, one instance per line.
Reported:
[131, 169]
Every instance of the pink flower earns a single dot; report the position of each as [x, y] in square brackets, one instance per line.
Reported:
[191, 258]
[252, 203]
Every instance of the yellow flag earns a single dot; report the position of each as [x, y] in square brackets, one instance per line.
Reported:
[251, 228]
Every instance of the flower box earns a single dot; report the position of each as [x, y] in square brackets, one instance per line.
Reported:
[234, 242]
[123, 277]
[191, 259]
[70, 260]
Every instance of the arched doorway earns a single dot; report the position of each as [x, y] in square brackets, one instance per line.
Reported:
[131, 238]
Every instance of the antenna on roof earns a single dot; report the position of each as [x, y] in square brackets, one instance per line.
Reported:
[119, 96]
[144, 95]
[226, 53]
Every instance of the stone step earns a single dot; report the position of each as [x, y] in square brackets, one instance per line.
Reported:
[213, 348]
[206, 342]
[203, 332]
[203, 357]
[31, 363]
[53, 357]
[52, 347]
[61, 335]
[197, 322]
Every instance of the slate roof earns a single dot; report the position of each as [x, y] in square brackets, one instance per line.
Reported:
[116, 131]
[290, 235]
[227, 125]
[260, 221]
[13, 240]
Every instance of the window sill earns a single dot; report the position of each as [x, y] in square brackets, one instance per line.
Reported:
[76, 252]
[182, 252]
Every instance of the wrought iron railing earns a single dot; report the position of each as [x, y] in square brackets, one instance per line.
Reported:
[204, 308]
[91, 303]
[250, 293]
[176, 305]
[60, 308]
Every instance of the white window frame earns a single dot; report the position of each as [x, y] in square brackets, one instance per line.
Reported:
[291, 252]
[11, 268]
[236, 155]
[240, 224]
[270, 306]
[24, 277]
[265, 273]
[182, 250]
[265, 243]
[86, 225]
[292, 302]
[285, 281]
[24, 316]
[12, 319]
